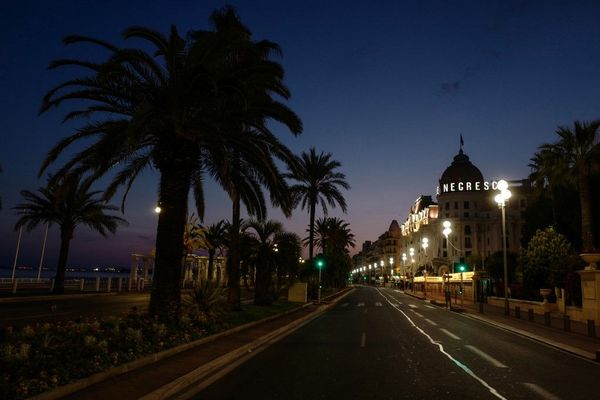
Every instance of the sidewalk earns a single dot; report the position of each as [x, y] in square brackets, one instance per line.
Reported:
[575, 341]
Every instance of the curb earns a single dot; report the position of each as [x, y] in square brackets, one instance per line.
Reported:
[56, 297]
[83, 383]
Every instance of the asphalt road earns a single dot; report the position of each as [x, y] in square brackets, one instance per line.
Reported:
[382, 344]
[43, 310]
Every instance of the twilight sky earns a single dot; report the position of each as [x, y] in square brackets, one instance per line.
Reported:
[386, 86]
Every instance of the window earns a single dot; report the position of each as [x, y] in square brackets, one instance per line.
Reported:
[447, 205]
[467, 229]
[456, 205]
[467, 253]
[468, 242]
[466, 205]
[466, 215]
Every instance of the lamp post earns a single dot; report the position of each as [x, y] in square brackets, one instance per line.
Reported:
[447, 231]
[391, 270]
[382, 272]
[403, 270]
[425, 244]
[411, 252]
[501, 199]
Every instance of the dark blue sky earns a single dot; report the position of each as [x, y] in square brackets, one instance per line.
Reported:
[386, 86]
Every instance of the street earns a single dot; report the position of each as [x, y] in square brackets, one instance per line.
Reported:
[21, 313]
[383, 344]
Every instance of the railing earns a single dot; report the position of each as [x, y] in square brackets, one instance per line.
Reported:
[110, 284]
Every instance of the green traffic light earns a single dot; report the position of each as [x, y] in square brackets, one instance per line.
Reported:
[461, 268]
[320, 264]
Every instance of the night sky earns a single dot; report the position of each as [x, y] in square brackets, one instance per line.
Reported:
[387, 87]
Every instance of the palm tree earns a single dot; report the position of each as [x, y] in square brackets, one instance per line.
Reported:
[68, 203]
[572, 157]
[318, 183]
[193, 236]
[172, 108]
[288, 256]
[333, 235]
[264, 257]
[215, 236]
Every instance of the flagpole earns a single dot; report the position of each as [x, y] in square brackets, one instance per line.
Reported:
[43, 250]
[16, 254]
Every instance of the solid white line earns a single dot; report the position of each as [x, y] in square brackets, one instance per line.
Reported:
[452, 335]
[546, 395]
[486, 356]
[454, 360]
[363, 340]
[430, 321]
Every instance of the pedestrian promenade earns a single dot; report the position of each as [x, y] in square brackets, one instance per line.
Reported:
[576, 340]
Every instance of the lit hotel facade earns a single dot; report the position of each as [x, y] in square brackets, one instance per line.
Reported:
[464, 199]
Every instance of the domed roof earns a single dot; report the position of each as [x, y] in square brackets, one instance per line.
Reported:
[461, 170]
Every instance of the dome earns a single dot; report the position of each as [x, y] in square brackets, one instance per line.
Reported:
[461, 170]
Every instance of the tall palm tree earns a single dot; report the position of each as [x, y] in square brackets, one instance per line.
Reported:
[68, 203]
[573, 156]
[215, 236]
[333, 235]
[318, 183]
[172, 108]
[264, 257]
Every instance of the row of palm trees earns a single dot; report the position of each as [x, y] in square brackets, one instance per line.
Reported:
[572, 161]
[193, 106]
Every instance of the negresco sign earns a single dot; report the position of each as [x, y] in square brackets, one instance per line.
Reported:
[467, 186]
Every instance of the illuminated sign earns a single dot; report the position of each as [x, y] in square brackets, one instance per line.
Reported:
[467, 186]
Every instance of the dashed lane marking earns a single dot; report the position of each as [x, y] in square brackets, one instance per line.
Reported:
[430, 322]
[543, 393]
[452, 335]
[486, 356]
[361, 304]
[345, 304]
[363, 340]
[412, 306]
[417, 314]
[378, 304]
[428, 306]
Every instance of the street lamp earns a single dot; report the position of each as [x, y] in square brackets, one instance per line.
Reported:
[404, 270]
[501, 199]
[411, 251]
[391, 268]
[425, 244]
[447, 231]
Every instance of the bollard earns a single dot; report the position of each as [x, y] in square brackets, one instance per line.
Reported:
[530, 314]
[52, 285]
[14, 286]
[140, 285]
[108, 284]
[129, 283]
[97, 284]
[518, 312]
[481, 308]
[81, 284]
[119, 284]
[547, 320]
[566, 323]
[591, 328]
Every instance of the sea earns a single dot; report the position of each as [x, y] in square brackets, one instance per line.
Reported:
[71, 273]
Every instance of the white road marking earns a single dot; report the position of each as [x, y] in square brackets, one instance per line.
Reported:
[452, 335]
[398, 291]
[543, 393]
[486, 356]
[363, 340]
[454, 360]
[361, 304]
[417, 314]
[428, 306]
[378, 304]
[412, 306]
[345, 304]
[430, 322]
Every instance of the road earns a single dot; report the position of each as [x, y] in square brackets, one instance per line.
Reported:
[383, 344]
[43, 310]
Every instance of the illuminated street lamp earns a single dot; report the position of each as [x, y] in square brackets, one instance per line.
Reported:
[411, 252]
[403, 269]
[425, 244]
[501, 199]
[447, 231]
[157, 209]
[391, 266]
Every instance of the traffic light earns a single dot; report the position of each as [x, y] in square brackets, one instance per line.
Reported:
[462, 265]
[320, 263]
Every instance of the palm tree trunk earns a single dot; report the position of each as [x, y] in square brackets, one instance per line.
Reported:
[311, 234]
[165, 300]
[585, 198]
[263, 295]
[233, 256]
[59, 278]
[211, 260]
